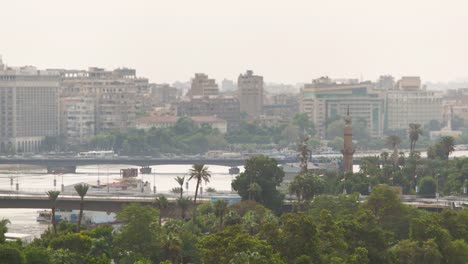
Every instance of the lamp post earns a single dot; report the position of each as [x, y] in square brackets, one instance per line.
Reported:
[98, 179]
[154, 183]
[437, 191]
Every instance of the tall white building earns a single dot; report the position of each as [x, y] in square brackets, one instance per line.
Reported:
[409, 102]
[28, 107]
[250, 94]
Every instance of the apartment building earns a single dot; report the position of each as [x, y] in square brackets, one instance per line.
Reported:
[28, 107]
[250, 90]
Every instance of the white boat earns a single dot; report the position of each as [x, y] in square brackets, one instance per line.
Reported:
[89, 217]
[44, 216]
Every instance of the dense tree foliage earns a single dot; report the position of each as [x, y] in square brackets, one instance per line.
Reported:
[259, 181]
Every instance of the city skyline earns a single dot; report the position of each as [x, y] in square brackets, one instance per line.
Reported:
[170, 41]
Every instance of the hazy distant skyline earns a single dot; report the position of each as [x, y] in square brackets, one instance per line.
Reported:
[285, 41]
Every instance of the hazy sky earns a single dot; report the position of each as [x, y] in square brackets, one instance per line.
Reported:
[285, 41]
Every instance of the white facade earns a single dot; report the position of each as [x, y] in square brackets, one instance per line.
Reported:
[326, 99]
[412, 106]
[28, 107]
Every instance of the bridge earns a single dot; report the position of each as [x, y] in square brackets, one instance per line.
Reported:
[115, 203]
[72, 202]
[148, 161]
[69, 164]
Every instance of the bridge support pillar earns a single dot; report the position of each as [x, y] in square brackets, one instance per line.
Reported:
[60, 170]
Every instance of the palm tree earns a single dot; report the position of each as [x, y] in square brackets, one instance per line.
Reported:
[414, 132]
[254, 191]
[161, 203]
[183, 203]
[199, 172]
[81, 189]
[3, 229]
[447, 145]
[173, 247]
[394, 141]
[53, 195]
[180, 181]
[220, 210]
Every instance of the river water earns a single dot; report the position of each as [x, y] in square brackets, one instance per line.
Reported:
[37, 181]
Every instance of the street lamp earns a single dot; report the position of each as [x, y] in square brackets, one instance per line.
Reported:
[437, 191]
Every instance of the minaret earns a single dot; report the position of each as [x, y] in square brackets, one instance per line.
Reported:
[348, 149]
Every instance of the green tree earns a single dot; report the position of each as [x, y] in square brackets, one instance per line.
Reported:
[139, 235]
[180, 181]
[161, 203]
[36, 255]
[427, 186]
[265, 172]
[298, 237]
[331, 235]
[231, 243]
[407, 252]
[183, 203]
[53, 195]
[414, 132]
[200, 173]
[446, 145]
[220, 207]
[385, 204]
[3, 229]
[75, 242]
[456, 252]
[11, 255]
[305, 186]
[172, 245]
[305, 125]
[81, 190]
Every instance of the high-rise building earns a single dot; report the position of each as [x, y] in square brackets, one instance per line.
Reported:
[28, 107]
[250, 94]
[203, 86]
[410, 103]
[78, 119]
[118, 95]
[163, 93]
[325, 99]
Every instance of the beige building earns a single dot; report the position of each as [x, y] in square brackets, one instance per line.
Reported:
[78, 119]
[170, 121]
[410, 103]
[326, 99]
[203, 86]
[118, 95]
[250, 89]
[28, 107]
